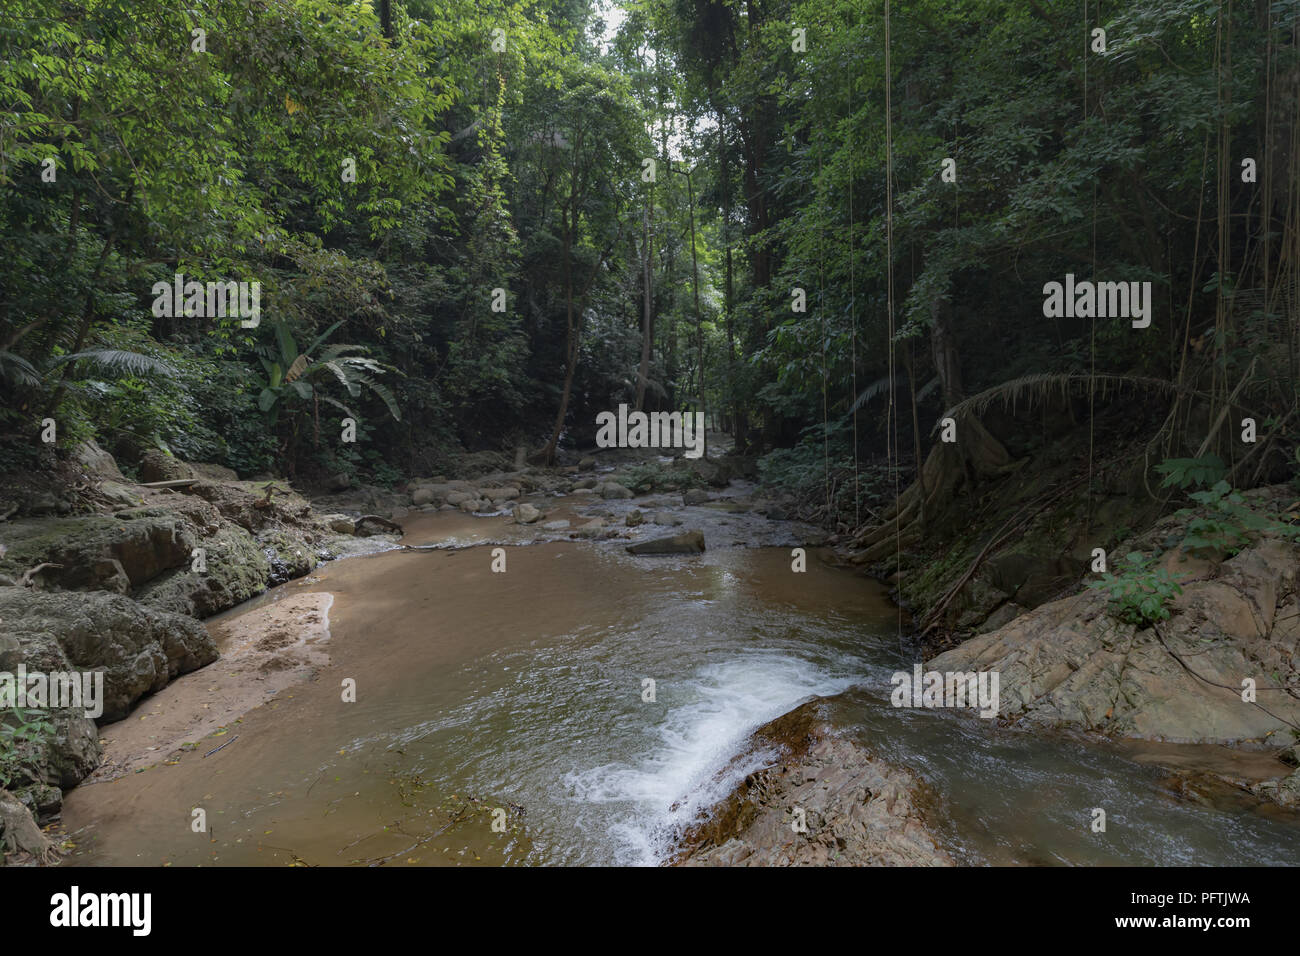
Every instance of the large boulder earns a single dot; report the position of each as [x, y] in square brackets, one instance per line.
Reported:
[1070, 663]
[137, 649]
[89, 457]
[237, 568]
[157, 465]
[142, 547]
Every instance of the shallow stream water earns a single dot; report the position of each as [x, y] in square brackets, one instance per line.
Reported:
[524, 692]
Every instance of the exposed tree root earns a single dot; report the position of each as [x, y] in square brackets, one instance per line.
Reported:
[976, 455]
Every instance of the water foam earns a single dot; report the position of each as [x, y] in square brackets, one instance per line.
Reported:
[688, 768]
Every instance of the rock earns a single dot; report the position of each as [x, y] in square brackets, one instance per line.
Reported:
[457, 498]
[690, 542]
[1068, 663]
[591, 528]
[634, 518]
[237, 569]
[586, 483]
[158, 465]
[44, 503]
[119, 494]
[586, 464]
[858, 809]
[1285, 791]
[138, 650]
[144, 547]
[89, 457]
[612, 489]
[559, 525]
[340, 482]
[503, 494]
[696, 496]
[288, 554]
[20, 837]
[526, 513]
[423, 496]
[340, 524]
[213, 472]
[665, 518]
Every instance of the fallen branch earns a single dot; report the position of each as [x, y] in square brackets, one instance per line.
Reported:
[27, 580]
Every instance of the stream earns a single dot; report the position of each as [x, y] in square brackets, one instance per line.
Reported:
[523, 691]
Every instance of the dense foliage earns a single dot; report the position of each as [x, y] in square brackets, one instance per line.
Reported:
[460, 243]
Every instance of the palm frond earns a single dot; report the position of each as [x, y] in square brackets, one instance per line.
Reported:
[1043, 387]
[119, 361]
[881, 385]
[17, 370]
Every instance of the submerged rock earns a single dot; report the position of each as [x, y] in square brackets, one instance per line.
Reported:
[689, 542]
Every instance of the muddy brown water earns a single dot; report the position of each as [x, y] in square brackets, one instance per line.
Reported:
[501, 719]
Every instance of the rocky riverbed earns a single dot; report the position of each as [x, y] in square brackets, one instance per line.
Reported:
[122, 582]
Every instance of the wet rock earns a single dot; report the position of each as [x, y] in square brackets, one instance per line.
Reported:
[634, 518]
[696, 496]
[287, 553]
[612, 489]
[665, 518]
[558, 525]
[856, 810]
[690, 542]
[526, 513]
[591, 529]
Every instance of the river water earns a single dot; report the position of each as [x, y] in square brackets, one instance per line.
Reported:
[520, 698]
